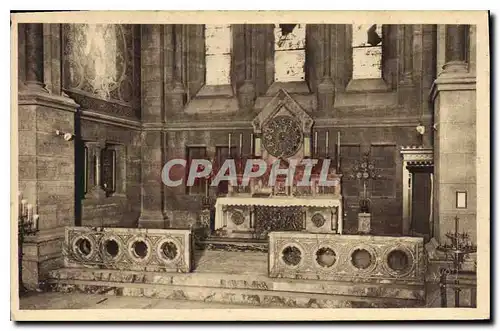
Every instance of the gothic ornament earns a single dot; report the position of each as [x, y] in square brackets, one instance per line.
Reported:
[282, 136]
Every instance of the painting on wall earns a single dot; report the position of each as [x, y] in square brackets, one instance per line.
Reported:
[99, 64]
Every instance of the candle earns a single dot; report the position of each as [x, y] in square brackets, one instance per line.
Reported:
[35, 221]
[316, 143]
[19, 198]
[229, 146]
[23, 207]
[326, 143]
[30, 212]
[241, 143]
[338, 151]
[251, 143]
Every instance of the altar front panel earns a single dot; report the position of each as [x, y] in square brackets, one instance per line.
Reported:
[243, 216]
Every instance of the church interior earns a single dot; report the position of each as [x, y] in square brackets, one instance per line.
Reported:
[390, 108]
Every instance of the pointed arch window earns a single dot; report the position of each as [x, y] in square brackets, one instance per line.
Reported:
[289, 52]
[366, 51]
[218, 46]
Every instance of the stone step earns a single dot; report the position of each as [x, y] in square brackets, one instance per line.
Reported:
[264, 298]
[243, 281]
[233, 244]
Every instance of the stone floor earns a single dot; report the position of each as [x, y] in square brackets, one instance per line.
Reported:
[55, 300]
[205, 261]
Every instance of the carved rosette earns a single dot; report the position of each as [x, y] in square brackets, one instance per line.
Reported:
[282, 136]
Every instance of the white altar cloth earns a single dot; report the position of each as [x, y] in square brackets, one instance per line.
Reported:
[277, 201]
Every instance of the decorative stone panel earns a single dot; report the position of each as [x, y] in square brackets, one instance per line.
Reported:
[322, 220]
[321, 256]
[160, 250]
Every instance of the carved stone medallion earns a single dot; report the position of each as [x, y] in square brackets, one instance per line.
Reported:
[282, 136]
[318, 220]
[237, 218]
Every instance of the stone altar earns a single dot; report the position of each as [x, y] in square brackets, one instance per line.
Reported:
[237, 215]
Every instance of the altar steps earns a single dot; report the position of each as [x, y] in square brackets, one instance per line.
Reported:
[246, 289]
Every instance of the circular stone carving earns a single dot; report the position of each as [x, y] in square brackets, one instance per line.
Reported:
[291, 255]
[361, 258]
[237, 218]
[111, 247]
[282, 136]
[140, 249]
[84, 247]
[169, 250]
[326, 257]
[398, 260]
[318, 220]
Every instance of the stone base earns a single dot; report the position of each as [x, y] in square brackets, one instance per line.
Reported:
[248, 289]
[364, 223]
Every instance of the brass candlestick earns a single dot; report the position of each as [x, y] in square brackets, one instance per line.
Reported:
[460, 246]
[27, 226]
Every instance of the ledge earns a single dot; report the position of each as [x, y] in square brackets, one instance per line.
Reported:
[33, 97]
[290, 87]
[213, 98]
[452, 81]
[367, 85]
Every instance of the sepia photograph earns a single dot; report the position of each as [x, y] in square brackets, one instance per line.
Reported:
[313, 166]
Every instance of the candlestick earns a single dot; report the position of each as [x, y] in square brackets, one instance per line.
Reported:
[326, 143]
[315, 143]
[241, 143]
[251, 143]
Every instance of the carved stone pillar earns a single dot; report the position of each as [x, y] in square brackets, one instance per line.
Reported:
[246, 93]
[94, 189]
[326, 88]
[152, 144]
[177, 93]
[407, 40]
[34, 56]
[455, 48]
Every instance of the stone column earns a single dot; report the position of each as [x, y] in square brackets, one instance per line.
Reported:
[34, 56]
[326, 88]
[454, 98]
[177, 92]
[407, 41]
[46, 160]
[246, 93]
[455, 48]
[152, 137]
[94, 189]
